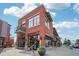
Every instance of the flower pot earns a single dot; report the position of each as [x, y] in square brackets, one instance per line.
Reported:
[41, 53]
[41, 50]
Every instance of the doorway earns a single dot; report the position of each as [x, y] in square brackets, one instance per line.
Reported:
[49, 41]
[21, 41]
[34, 40]
[1, 41]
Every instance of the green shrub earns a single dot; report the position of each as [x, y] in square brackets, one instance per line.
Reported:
[67, 42]
[41, 50]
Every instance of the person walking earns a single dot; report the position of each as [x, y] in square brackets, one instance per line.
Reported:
[32, 49]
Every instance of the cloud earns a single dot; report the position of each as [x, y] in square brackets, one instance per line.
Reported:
[75, 19]
[19, 12]
[76, 8]
[51, 6]
[52, 13]
[70, 36]
[67, 24]
[57, 5]
[70, 25]
[13, 11]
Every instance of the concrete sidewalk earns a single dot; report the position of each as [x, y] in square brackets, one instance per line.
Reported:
[51, 51]
[14, 52]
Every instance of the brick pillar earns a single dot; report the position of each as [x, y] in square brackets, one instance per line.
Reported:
[0, 27]
[26, 41]
[17, 41]
[43, 43]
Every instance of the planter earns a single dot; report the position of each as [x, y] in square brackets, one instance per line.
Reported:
[41, 51]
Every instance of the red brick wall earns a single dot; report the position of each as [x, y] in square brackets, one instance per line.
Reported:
[41, 28]
[0, 26]
[8, 33]
[7, 38]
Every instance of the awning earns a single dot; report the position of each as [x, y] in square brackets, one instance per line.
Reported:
[34, 33]
[2, 38]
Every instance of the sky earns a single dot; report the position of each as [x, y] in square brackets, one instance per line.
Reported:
[65, 16]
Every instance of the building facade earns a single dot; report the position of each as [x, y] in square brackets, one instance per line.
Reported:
[36, 28]
[5, 34]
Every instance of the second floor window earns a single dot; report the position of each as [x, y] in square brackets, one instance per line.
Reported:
[34, 21]
[31, 23]
[47, 24]
[23, 21]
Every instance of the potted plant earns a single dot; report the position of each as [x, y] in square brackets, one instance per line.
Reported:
[41, 50]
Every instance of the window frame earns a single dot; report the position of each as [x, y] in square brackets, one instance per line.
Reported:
[35, 21]
[23, 21]
[47, 24]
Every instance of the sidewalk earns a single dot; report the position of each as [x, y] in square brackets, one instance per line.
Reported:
[51, 51]
[14, 52]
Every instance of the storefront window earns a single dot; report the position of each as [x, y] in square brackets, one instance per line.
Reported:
[48, 41]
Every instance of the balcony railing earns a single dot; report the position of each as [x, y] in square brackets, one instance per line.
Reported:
[20, 29]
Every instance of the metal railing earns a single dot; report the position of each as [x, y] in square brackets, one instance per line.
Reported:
[20, 29]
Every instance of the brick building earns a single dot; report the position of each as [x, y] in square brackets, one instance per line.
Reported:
[5, 34]
[36, 26]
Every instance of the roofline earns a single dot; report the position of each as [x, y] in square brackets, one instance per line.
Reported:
[32, 10]
[4, 21]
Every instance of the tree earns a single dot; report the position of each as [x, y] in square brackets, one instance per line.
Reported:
[67, 42]
[77, 41]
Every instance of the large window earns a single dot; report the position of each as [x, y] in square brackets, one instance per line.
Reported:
[34, 21]
[23, 21]
[37, 20]
[31, 22]
[47, 24]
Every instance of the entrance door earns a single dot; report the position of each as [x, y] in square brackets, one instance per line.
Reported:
[31, 41]
[34, 41]
[21, 43]
[1, 41]
[48, 41]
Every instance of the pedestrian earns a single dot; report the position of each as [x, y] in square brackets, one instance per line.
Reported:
[37, 44]
[32, 49]
[26, 48]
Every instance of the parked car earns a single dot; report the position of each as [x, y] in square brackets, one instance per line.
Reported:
[76, 46]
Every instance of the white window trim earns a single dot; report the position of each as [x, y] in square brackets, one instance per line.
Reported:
[34, 15]
[35, 21]
[47, 24]
[23, 22]
[30, 23]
